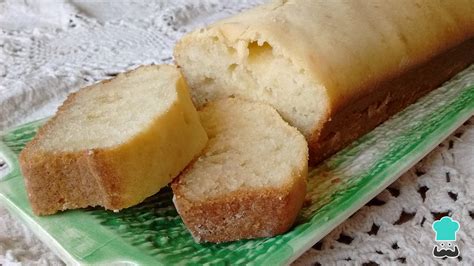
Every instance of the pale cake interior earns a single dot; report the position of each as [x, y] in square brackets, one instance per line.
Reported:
[251, 70]
[110, 113]
[250, 147]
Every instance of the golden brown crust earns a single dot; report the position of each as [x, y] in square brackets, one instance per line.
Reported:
[386, 99]
[243, 214]
[74, 185]
[77, 183]
[109, 180]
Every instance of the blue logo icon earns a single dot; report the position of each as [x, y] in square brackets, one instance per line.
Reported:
[446, 229]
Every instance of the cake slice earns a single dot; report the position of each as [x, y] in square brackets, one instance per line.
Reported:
[113, 144]
[250, 180]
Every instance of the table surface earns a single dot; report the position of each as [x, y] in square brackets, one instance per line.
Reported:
[51, 48]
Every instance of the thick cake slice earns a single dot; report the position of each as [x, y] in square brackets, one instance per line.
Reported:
[114, 143]
[250, 180]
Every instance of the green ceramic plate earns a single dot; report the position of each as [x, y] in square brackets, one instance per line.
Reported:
[153, 233]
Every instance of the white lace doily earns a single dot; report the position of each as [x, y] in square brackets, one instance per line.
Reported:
[51, 48]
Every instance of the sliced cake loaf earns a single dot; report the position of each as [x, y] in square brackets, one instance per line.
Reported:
[114, 143]
[333, 69]
[250, 180]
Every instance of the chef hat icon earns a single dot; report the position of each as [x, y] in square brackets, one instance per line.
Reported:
[446, 229]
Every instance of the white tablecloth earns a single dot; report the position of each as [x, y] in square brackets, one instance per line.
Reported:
[51, 48]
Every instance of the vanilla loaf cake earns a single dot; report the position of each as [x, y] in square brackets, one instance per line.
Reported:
[113, 144]
[334, 69]
[250, 180]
